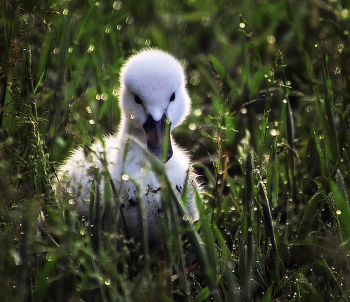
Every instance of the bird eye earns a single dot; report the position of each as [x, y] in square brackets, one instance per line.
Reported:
[137, 99]
[172, 97]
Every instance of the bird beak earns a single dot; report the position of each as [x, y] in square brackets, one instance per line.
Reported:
[157, 132]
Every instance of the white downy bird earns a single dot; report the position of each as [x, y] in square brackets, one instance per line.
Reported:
[152, 94]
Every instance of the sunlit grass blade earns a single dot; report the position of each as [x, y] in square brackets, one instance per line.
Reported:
[342, 210]
[232, 287]
[247, 229]
[202, 295]
[96, 228]
[109, 221]
[42, 280]
[333, 147]
[323, 160]
[265, 205]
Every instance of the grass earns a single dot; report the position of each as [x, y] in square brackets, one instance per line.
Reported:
[269, 133]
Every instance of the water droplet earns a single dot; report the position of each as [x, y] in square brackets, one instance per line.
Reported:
[50, 257]
[108, 281]
[130, 20]
[338, 212]
[194, 81]
[184, 63]
[117, 5]
[198, 112]
[71, 201]
[244, 110]
[125, 177]
[274, 132]
[92, 122]
[205, 21]
[241, 25]
[271, 39]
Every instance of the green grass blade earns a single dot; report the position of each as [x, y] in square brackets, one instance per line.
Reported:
[343, 211]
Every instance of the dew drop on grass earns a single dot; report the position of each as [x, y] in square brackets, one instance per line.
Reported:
[197, 112]
[130, 20]
[338, 212]
[71, 201]
[50, 257]
[82, 232]
[108, 281]
[125, 177]
[91, 48]
[117, 5]
[271, 39]
[274, 132]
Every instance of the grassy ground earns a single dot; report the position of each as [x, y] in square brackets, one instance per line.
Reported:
[269, 133]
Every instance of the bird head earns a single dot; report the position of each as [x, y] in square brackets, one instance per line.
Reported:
[153, 96]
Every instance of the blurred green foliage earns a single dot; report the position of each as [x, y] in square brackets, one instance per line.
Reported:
[268, 132]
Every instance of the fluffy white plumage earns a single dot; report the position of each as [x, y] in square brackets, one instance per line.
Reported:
[152, 90]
